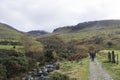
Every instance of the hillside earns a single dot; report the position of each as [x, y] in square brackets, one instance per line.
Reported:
[94, 32]
[37, 33]
[98, 24]
[71, 43]
[98, 33]
[8, 32]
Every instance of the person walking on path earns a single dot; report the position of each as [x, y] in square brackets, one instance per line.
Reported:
[92, 54]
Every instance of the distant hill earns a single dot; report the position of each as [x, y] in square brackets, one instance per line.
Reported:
[102, 23]
[8, 32]
[37, 33]
[98, 33]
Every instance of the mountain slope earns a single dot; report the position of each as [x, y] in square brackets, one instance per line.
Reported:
[8, 32]
[37, 33]
[99, 33]
[99, 24]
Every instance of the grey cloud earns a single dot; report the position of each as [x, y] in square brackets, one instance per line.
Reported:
[46, 15]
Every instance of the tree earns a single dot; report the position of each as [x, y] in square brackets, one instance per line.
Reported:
[109, 44]
[27, 42]
[53, 43]
[55, 56]
[49, 55]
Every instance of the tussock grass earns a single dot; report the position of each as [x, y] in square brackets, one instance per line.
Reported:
[78, 70]
[113, 69]
[9, 46]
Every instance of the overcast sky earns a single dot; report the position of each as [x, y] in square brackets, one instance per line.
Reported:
[26, 15]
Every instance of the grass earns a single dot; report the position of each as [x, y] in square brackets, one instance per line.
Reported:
[8, 47]
[8, 33]
[78, 70]
[113, 69]
[108, 34]
[88, 33]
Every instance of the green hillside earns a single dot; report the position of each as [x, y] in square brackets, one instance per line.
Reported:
[99, 33]
[67, 45]
[9, 33]
[98, 24]
[36, 33]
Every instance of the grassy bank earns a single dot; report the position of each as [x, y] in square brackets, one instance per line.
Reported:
[78, 70]
[112, 68]
[9, 47]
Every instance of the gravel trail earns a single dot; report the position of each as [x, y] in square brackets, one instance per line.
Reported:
[97, 72]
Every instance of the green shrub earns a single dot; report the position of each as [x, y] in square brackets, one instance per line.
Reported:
[58, 76]
[53, 43]
[2, 72]
[12, 64]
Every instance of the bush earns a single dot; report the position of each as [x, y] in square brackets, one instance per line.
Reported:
[77, 56]
[12, 64]
[53, 43]
[2, 72]
[109, 44]
[58, 76]
[9, 43]
[50, 55]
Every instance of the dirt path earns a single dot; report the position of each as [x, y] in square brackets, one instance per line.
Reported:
[97, 72]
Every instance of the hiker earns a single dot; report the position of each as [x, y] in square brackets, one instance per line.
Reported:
[92, 54]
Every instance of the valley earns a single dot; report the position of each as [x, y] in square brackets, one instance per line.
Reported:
[68, 46]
